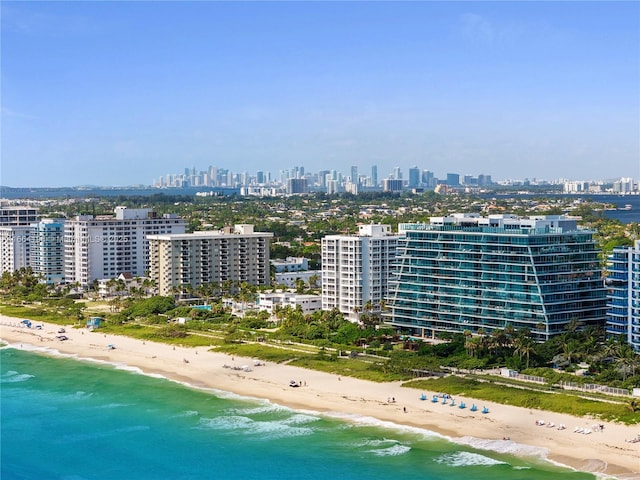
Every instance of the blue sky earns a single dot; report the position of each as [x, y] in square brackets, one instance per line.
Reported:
[119, 93]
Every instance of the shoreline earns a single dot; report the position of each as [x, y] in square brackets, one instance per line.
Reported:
[506, 429]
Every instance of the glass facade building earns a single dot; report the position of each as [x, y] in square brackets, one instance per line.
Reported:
[623, 299]
[46, 245]
[466, 272]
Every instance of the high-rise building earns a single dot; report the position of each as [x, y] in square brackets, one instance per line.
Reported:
[15, 221]
[469, 273]
[428, 179]
[484, 180]
[107, 245]
[332, 186]
[356, 269]
[374, 175]
[181, 261]
[46, 256]
[14, 247]
[297, 185]
[623, 298]
[453, 179]
[414, 177]
[397, 173]
[354, 175]
[391, 185]
[17, 215]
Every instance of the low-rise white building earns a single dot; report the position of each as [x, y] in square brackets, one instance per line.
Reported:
[289, 279]
[308, 303]
[290, 264]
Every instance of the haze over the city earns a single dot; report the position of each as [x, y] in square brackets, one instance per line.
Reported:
[115, 93]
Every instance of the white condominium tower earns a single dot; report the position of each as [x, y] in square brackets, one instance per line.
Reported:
[108, 245]
[190, 260]
[15, 225]
[14, 247]
[356, 269]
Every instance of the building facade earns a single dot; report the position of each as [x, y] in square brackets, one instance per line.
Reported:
[356, 270]
[17, 215]
[182, 261]
[312, 278]
[290, 264]
[14, 248]
[470, 273]
[307, 304]
[623, 299]
[107, 245]
[15, 221]
[46, 256]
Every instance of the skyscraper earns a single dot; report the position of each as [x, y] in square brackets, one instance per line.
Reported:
[374, 175]
[414, 177]
[453, 179]
[428, 179]
[297, 185]
[392, 185]
[354, 175]
[466, 272]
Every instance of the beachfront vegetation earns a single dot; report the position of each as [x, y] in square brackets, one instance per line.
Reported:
[618, 410]
[324, 336]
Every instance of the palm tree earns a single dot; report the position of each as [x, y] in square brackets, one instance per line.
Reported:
[473, 346]
[627, 360]
[524, 347]
[570, 350]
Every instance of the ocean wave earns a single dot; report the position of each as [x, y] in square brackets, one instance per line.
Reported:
[374, 442]
[259, 429]
[467, 459]
[375, 422]
[503, 446]
[267, 407]
[108, 406]
[81, 395]
[299, 419]
[394, 450]
[15, 377]
[187, 413]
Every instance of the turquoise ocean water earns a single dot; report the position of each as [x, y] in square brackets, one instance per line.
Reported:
[62, 418]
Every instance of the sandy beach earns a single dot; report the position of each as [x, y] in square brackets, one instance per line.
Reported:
[509, 429]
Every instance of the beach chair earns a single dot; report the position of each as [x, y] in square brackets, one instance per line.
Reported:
[473, 408]
[485, 410]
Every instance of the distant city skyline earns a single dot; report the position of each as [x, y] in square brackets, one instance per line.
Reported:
[117, 93]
